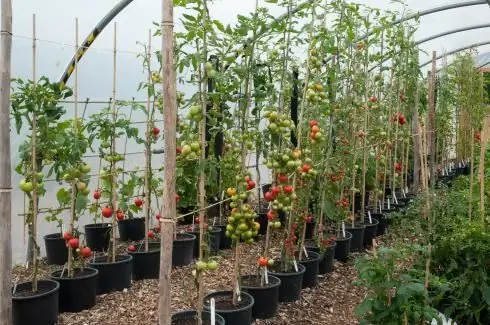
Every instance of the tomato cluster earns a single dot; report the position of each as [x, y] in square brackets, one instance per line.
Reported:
[278, 123]
[400, 118]
[190, 151]
[316, 94]
[398, 167]
[74, 243]
[343, 203]
[195, 113]
[265, 262]
[316, 133]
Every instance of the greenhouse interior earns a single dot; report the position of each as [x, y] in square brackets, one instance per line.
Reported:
[266, 162]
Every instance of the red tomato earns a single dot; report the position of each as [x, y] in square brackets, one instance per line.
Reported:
[85, 252]
[282, 178]
[138, 202]
[288, 189]
[66, 235]
[97, 195]
[107, 212]
[131, 248]
[262, 261]
[73, 243]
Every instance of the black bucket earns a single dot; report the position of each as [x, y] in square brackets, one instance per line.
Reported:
[183, 318]
[146, 265]
[310, 229]
[266, 297]
[233, 315]
[263, 221]
[97, 236]
[224, 242]
[311, 264]
[112, 276]
[183, 250]
[76, 293]
[40, 308]
[370, 232]
[343, 247]
[56, 251]
[356, 243]
[326, 260]
[131, 229]
[189, 218]
[382, 223]
[291, 283]
[213, 240]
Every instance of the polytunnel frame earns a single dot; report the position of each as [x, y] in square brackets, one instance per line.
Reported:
[124, 3]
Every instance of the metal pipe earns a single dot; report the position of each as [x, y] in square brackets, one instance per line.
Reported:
[456, 51]
[428, 12]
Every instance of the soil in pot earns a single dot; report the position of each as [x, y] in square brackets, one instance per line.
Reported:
[131, 229]
[311, 264]
[78, 292]
[112, 276]
[212, 238]
[40, 308]
[56, 251]
[357, 231]
[183, 250]
[343, 247]
[266, 297]
[146, 265]
[239, 314]
[224, 242]
[291, 282]
[370, 232]
[190, 318]
[326, 259]
[97, 236]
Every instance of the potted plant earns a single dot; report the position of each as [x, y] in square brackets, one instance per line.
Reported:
[77, 284]
[115, 271]
[35, 103]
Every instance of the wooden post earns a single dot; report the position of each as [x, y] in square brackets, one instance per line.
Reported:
[113, 150]
[5, 164]
[432, 121]
[147, 191]
[416, 141]
[169, 139]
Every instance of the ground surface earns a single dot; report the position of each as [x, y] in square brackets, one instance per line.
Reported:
[331, 302]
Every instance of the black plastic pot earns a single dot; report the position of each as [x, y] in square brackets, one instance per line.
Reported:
[326, 260]
[224, 242]
[76, 293]
[188, 218]
[40, 308]
[356, 243]
[56, 251]
[183, 318]
[343, 247]
[382, 223]
[146, 265]
[266, 298]
[112, 276]
[291, 283]
[233, 315]
[263, 221]
[131, 229]
[212, 236]
[97, 236]
[370, 232]
[310, 229]
[310, 277]
[183, 250]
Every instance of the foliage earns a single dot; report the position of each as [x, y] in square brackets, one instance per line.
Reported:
[394, 278]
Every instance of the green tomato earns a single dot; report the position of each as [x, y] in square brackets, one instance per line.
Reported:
[195, 146]
[85, 169]
[25, 186]
[40, 175]
[211, 74]
[86, 191]
[194, 110]
[212, 265]
[186, 149]
[81, 186]
[201, 265]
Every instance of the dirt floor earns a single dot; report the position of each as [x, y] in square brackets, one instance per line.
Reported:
[331, 302]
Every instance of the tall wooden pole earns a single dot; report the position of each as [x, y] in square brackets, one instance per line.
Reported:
[169, 139]
[432, 121]
[5, 164]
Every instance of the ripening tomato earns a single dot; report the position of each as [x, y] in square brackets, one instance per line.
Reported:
[268, 196]
[85, 252]
[66, 235]
[282, 178]
[313, 123]
[97, 194]
[107, 212]
[138, 202]
[73, 243]
[262, 261]
[131, 248]
[288, 189]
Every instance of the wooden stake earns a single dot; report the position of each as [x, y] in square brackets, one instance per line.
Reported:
[34, 198]
[148, 151]
[485, 135]
[169, 140]
[5, 164]
[113, 149]
[472, 158]
[432, 121]
[74, 182]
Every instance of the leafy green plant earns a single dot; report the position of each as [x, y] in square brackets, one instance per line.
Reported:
[395, 280]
